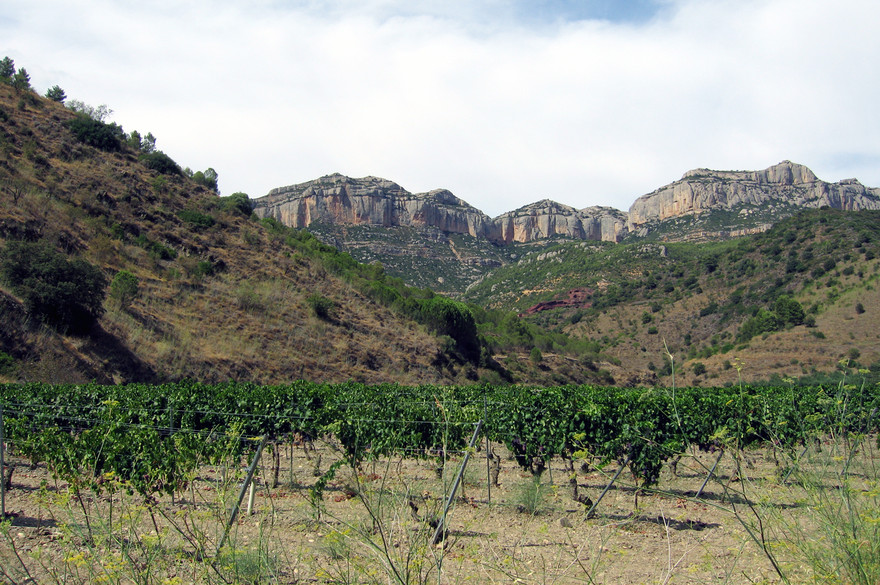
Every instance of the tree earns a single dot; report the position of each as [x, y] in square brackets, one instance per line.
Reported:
[208, 179]
[7, 70]
[788, 310]
[21, 81]
[98, 114]
[124, 288]
[535, 356]
[66, 294]
[56, 94]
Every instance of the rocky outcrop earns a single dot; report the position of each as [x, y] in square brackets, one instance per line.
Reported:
[546, 219]
[757, 198]
[340, 200]
[784, 185]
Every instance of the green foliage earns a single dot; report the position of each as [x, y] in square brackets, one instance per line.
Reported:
[97, 113]
[96, 133]
[237, 203]
[530, 497]
[535, 356]
[786, 312]
[124, 288]
[56, 94]
[196, 218]
[7, 363]
[160, 162]
[447, 317]
[699, 368]
[7, 70]
[155, 249]
[21, 81]
[789, 311]
[322, 307]
[207, 178]
[67, 294]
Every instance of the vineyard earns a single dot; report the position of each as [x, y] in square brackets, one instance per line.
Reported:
[152, 443]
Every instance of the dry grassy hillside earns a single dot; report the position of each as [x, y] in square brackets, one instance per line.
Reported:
[215, 302]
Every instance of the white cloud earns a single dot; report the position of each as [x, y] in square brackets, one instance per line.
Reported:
[500, 105]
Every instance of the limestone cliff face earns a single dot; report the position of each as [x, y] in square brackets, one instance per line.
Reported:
[759, 198]
[546, 219]
[703, 190]
[341, 200]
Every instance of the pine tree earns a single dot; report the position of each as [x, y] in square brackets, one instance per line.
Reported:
[7, 69]
[56, 94]
[21, 80]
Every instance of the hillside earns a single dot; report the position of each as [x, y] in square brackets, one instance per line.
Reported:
[437, 240]
[118, 265]
[218, 294]
[638, 300]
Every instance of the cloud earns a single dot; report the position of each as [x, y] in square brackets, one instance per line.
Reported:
[502, 102]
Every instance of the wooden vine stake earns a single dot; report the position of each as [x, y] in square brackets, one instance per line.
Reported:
[244, 489]
[440, 533]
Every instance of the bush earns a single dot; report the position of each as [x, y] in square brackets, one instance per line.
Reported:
[67, 294]
[535, 356]
[323, 307]
[196, 218]
[447, 317]
[124, 288]
[7, 363]
[699, 368]
[96, 133]
[237, 203]
[161, 162]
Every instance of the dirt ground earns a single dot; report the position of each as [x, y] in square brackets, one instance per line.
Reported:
[377, 525]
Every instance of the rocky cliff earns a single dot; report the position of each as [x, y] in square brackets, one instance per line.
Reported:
[786, 185]
[703, 204]
[339, 200]
[546, 219]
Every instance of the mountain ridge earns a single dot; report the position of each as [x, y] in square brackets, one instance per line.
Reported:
[337, 199]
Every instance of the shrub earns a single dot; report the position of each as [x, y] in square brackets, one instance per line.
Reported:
[237, 203]
[161, 162]
[699, 368]
[323, 307]
[7, 363]
[124, 288]
[447, 317]
[860, 308]
[196, 218]
[67, 294]
[535, 356]
[96, 133]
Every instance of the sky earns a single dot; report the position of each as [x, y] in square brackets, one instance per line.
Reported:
[503, 102]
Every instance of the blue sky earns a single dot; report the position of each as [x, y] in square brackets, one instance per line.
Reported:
[504, 102]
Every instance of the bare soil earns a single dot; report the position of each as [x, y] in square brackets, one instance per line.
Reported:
[376, 525]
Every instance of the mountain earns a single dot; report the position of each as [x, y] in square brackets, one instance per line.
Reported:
[729, 203]
[439, 241]
[720, 309]
[118, 266]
